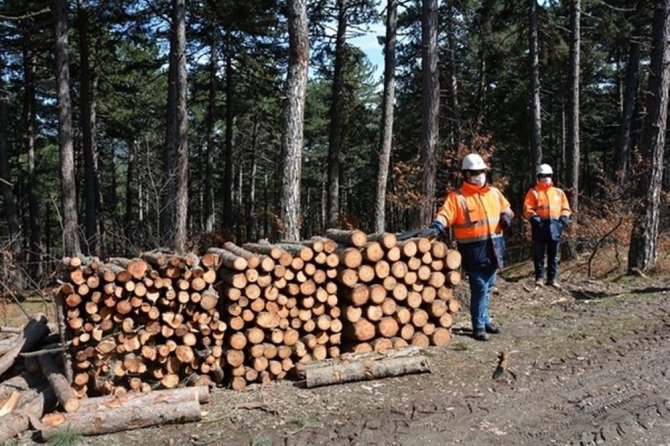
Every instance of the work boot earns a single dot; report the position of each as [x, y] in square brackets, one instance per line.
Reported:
[554, 284]
[539, 283]
[493, 328]
[481, 335]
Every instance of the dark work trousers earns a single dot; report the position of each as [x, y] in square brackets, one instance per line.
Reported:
[542, 245]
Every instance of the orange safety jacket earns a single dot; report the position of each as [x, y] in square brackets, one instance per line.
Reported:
[474, 215]
[545, 201]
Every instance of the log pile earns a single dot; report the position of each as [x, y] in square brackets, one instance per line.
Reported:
[396, 293]
[142, 323]
[248, 314]
[281, 307]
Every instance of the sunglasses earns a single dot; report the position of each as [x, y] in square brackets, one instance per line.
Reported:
[472, 173]
[542, 175]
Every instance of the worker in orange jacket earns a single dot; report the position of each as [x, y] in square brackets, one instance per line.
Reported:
[477, 213]
[546, 208]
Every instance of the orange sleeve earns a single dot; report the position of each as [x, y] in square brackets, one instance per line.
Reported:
[505, 207]
[449, 211]
[565, 205]
[529, 204]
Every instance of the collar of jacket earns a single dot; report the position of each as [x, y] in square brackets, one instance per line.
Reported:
[543, 187]
[471, 189]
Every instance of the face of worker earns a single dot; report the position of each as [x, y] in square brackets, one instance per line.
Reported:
[476, 177]
[544, 179]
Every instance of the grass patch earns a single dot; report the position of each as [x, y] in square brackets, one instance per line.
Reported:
[428, 354]
[261, 441]
[461, 346]
[66, 438]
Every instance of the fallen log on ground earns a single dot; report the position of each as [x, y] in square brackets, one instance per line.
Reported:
[365, 370]
[20, 419]
[67, 397]
[122, 418]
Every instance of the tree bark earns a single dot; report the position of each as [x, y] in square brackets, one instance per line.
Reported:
[208, 182]
[88, 118]
[536, 108]
[67, 172]
[623, 150]
[123, 418]
[573, 161]
[386, 139]
[294, 113]
[228, 156]
[19, 421]
[643, 250]
[430, 108]
[336, 118]
[365, 370]
[33, 333]
[181, 185]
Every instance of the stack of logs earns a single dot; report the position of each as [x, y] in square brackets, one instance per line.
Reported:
[397, 293]
[158, 321]
[282, 307]
[135, 322]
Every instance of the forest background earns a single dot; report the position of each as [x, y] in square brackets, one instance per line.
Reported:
[131, 125]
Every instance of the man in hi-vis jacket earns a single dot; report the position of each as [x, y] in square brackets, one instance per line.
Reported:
[477, 213]
[546, 208]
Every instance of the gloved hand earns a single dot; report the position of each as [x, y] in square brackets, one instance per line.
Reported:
[435, 229]
[505, 220]
[535, 221]
[564, 219]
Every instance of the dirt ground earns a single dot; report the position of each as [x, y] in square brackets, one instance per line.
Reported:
[588, 365]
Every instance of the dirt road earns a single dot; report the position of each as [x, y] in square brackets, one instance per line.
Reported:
[588, 365]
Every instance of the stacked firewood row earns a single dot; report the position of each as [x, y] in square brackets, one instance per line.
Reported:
[142, 323]
[251, 313]
[397, 293]
[281, 307]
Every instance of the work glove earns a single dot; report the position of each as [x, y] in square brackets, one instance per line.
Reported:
[435, 229]
[534, 221]
[564, 219]
[505, 220]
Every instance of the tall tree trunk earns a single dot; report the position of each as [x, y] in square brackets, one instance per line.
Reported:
[455, 136]
[177, 160]
[643, 250]
[228, 157]
[91, 193]
[336, 118]
[573, 106]
[29, 119]
[386, 139]
[130, 181]
[294, 116]
[181, 186]
[208, 182]
[252, 219]
[13, 227]
[430, 108]
[623, 150]
[68, 183]
[167, 208]
[536, 118]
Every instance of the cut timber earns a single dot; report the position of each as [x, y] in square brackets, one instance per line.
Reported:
[354, 237]
[33, 333]
[120, 418]
[229, 259]
[386, 239]
[18, 421]
[365, 370]
[66, 395]
[453, 259]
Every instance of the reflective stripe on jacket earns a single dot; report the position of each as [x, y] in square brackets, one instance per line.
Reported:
[545, 201]
[474, 215]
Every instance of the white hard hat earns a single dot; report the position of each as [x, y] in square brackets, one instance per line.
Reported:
[544, 169]
[473, 162]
